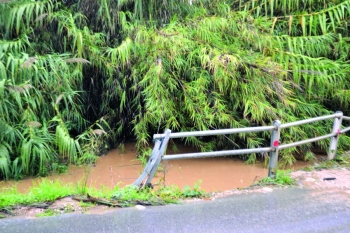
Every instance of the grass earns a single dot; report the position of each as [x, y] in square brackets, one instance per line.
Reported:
[48, 213]
[86, 205]
[51, 212]
[161, 195]
[46, 191]
[282, 178]
[49, 191]
[339, 161]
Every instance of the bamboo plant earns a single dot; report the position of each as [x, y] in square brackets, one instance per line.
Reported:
[130, 68]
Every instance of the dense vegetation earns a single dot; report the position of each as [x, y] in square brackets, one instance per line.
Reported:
[77, 77]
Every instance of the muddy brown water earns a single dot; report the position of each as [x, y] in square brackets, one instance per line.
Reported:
[216, 174]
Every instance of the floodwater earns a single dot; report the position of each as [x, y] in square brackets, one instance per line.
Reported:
[215, 174]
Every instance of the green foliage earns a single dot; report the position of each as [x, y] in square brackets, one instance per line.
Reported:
[80, 76]
[47, 213]
[163, 194]
[59, 168]
[196, 191]
[282, 178]
[86, 205]
[144, 155]
[310, 156]
[44, 191]
[87, 158]
[10, 197]
[340, 161]
[48, 191]
[52, 212]
[4, 161]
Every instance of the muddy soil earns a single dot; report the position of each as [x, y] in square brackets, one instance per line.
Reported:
[326, 180]
[61, 206]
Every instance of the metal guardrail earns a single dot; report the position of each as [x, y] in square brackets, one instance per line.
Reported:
[216, 132]
[161, 141]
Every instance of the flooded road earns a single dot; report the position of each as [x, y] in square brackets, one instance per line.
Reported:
[216, 174]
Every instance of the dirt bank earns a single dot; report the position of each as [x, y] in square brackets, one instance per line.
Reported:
[320, 180]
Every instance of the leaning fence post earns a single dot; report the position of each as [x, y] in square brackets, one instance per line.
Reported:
[149, 164]
[275, 142]
[336, 131]
[159, 156]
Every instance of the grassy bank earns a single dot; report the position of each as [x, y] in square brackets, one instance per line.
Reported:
[49, 191]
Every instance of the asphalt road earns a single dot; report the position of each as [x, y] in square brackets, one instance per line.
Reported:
[283, 210]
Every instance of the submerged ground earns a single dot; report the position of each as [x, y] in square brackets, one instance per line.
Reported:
[121, 166]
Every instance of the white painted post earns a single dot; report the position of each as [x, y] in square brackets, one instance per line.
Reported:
[157, 160]
[149, 164]
[275, 142]
[334, 140]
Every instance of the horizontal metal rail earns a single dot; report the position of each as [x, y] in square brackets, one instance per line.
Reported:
[346, 118]
[345, 130]
[302, 122]
[217, 153]
[275, 146]
[306, 141]
[216, 132]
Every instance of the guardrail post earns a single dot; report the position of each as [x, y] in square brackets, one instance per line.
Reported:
[159, 156]
[149, 164]
[334, 140]
[275, 142]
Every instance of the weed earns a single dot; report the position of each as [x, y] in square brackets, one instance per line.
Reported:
[164, 194]
[163, 169]
[282, 178]
[48, 213]
[45, 191]
[343, 160]
[102, 192]
[144, 155]
[338, 161]
[87, 159]
[126, 196]
[59, 168]
[86, 205]
[121, 148]
[251, 159]
[50, 190]
[130, 193]
[310, 156]
[69, 208]
[196, 191]
[10, 197]
[169, 193]
[287, 157]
